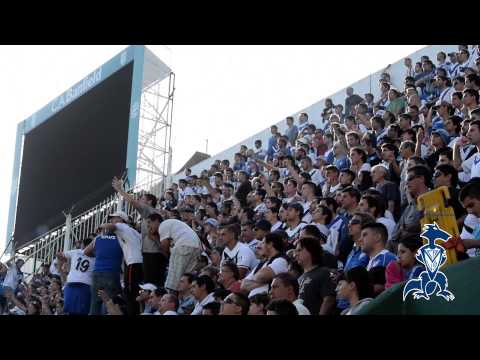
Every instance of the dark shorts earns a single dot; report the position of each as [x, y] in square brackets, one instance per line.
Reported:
[77, 299]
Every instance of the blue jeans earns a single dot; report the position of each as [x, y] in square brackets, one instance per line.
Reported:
[110, 282]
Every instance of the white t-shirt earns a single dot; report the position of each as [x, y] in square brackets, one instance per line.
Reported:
[53, 267]
[81, 267]
[292, 232]
[276, 226]
[307, 216]
[169, 312]
[302, 310]
[131, 243]
[365, 167]
[180, 233]
[389, 224]
[199, 305]
[475, 172]
[241, 255]
[253, 245]
[471, 221]
[323, 229]
[261, 208]
[316, 176]
[13, 277]
[278, 266]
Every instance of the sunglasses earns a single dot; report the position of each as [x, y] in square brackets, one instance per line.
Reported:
[437, 174]
[230, 301]
[355, 222]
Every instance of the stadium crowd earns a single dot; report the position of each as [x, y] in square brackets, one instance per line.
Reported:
[320, 220]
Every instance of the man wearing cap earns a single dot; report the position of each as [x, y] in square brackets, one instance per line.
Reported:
[131, 243]
[154, 260]
[211, 226]
[144, 298]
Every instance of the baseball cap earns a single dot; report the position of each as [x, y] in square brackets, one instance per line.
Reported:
[119, 214]
[148, 286]
[263, 225]
[443, 134]
[212, 222]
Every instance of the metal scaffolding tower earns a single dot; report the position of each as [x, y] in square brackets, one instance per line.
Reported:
[154, 140]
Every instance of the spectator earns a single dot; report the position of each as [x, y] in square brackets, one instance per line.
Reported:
[212, 308]
[407, 267]
[358, 160]
[168, 305]
[316, 288]
[388, 189]
[357, 256]
[315, 174]
[259, 279]
[153, 259]
[470, 100]
[285, 287]
[186, 301]
[351, 101]
[247, 235]
[292, 130]
[202, 291]
[235, 251]
[144, 298]
[272, 216]
[185, 250]
[329, 260]
[340, 159]
[446, 175]
[375, 206]
[332, 184]
[261, 228]
[369, 142]
[355, 287]
[272, 142]
[131, 243]
[107, 268]
[347, 177]
[235, 304]
[322, 216]
[281, 307]
[302, 122]
[258, 304]
[374, 239]
[230, 277]
[295, 212]
[79, 280]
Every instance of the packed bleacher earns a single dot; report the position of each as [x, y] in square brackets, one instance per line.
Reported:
[319, 220]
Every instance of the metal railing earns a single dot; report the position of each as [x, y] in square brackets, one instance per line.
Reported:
[43, 249]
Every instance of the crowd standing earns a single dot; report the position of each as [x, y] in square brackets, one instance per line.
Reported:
[318, 221]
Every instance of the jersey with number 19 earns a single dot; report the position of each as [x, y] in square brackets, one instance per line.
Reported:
[81, 267]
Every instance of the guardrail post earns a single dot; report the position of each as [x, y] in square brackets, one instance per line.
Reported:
[68, 232]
